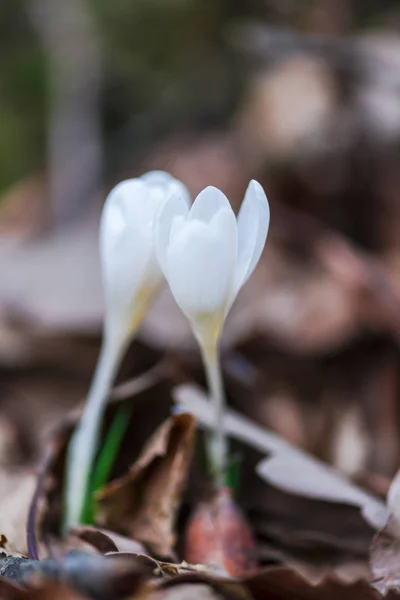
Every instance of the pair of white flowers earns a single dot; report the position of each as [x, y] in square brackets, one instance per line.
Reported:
[149, 231]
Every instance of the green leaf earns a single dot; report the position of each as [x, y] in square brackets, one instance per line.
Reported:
[106, 460]
[233, 471]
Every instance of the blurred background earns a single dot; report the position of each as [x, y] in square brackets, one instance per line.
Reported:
[304, 97]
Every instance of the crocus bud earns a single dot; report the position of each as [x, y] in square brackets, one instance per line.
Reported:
[207, 254]
[131, 278]
[130, 270]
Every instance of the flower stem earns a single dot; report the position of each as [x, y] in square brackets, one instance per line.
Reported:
[218, 444]
[84, 442]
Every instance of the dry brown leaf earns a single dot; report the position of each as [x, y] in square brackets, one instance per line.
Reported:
[97, 577]
[276, 583]
[141, 577]
[143, 503]
[187, 592]
[385, 547]
[89, 540]
[17, 488]
[289, 107]
[385, 557]
[96, 538]
[301, 308]
[25, 209]
[49, 591]
[75, 303]
[288, 468]
[106, 541]
[12, 445]
[10, 590]
[46, 500]
[285, 584]
[45, 515]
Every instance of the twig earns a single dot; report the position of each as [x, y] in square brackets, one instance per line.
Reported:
[68, 34]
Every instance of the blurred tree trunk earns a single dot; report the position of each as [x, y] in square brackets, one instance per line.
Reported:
[68, 34]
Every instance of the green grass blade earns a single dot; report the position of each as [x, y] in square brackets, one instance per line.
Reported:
[106, 460]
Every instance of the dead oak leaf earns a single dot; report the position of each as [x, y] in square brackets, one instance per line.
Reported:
[144, 502]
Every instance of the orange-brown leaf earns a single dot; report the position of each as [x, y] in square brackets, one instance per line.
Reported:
[144, 502]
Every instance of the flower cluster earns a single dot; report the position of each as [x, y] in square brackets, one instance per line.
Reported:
[150, 231]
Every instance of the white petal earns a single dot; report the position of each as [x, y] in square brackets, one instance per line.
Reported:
[156, 177]
[124, 267]
[175, 206]
[161, 185]
[253, 223]
[177, 188]
[134, 199]
[207, 203]
[126, 245]
[120, 209]
[201, 262]
[177, 224]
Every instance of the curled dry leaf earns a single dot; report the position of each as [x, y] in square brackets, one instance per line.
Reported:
[45, 501]
[144, 502]
[44, 522]
[99, 540]
[219, 535]
[289, 468]
[106, 541]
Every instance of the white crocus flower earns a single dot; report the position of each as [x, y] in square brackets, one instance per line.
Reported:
[207, 255]
[131, 279]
